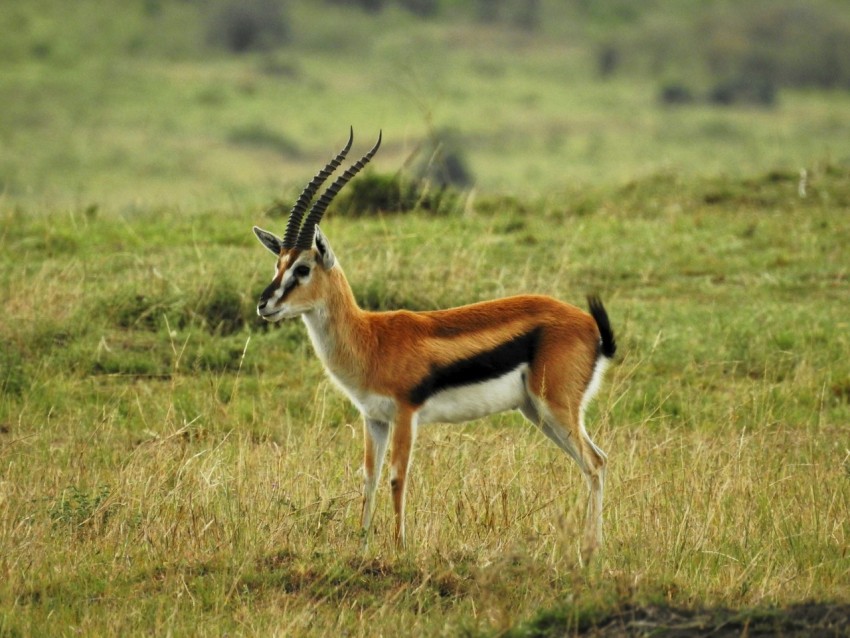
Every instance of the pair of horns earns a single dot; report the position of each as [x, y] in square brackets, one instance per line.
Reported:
[301, 237]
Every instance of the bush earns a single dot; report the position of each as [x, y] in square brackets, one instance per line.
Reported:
[375, 193]
[781, 44]
[370, 6]
[607, 60]
[261, 136]
[443, 161]
[220, 309]
[489, 11]
[422, 8]
[527, 15]
[742, 52]
[137, 311]
[217, 307]
[524, 14]
[244, 25]
[77, 508]
[756, 91]
[674, 93]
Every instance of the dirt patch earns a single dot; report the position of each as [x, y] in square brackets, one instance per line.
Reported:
[805, 619]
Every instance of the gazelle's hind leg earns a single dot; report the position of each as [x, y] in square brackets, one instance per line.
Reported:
[565, 427]
[595, 460]
[530, 412]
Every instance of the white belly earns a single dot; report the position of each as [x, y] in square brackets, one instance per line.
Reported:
[453, 405]
[468, 402]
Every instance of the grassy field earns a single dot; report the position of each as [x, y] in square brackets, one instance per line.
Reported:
[171, 465]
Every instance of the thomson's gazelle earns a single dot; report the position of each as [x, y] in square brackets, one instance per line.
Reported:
[403, 369]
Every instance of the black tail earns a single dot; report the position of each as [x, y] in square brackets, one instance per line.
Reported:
[608, 346]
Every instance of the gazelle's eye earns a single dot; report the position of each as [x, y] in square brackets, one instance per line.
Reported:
[301, 271]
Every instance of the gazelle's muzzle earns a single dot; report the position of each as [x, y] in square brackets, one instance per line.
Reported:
[266, 296]
[272, 306]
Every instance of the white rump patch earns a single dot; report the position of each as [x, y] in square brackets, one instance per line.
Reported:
[589, 393]
[595, 383]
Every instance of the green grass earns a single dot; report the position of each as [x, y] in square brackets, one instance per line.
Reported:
[169, 464]
[148, 115]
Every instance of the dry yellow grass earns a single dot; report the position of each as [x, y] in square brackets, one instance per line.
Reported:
[167, 465]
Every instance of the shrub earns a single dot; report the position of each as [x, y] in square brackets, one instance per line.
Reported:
[81, 510]
[422, 8]
[746, 52]
[432, 186]
[757, 91]
[217, 306]
[137, 311]
[781, 44]
[674, 93]
[370, 6]
[375, 193]
[261, 136]
[527, 15]
[219, 309]
[244, 25]
[607, 60]
[443, 161]
[524, 14]
[489, 11]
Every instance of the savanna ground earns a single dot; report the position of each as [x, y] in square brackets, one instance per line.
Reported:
[168, 464]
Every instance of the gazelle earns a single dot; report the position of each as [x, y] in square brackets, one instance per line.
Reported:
[403, 369]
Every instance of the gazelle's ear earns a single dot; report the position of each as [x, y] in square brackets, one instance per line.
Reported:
[270, 241]
[326, 253]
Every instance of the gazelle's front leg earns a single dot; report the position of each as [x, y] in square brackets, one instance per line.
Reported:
[375, 435]
[404, 434]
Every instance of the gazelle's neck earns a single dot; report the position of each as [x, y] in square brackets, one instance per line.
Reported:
[338, 329]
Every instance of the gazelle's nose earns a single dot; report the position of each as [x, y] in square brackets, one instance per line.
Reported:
[266, 296]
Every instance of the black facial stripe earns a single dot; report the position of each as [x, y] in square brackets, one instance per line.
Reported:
[272, 287]
[483, 366]
[268, 292]
[288, 287]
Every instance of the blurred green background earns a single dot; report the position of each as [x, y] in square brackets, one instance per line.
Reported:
[194, 104]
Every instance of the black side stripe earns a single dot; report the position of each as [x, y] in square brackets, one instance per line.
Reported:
[480, 367]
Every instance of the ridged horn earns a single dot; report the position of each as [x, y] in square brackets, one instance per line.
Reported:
[300, 207]
[305, 238]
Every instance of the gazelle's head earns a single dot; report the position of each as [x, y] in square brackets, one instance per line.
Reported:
[304, 256]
